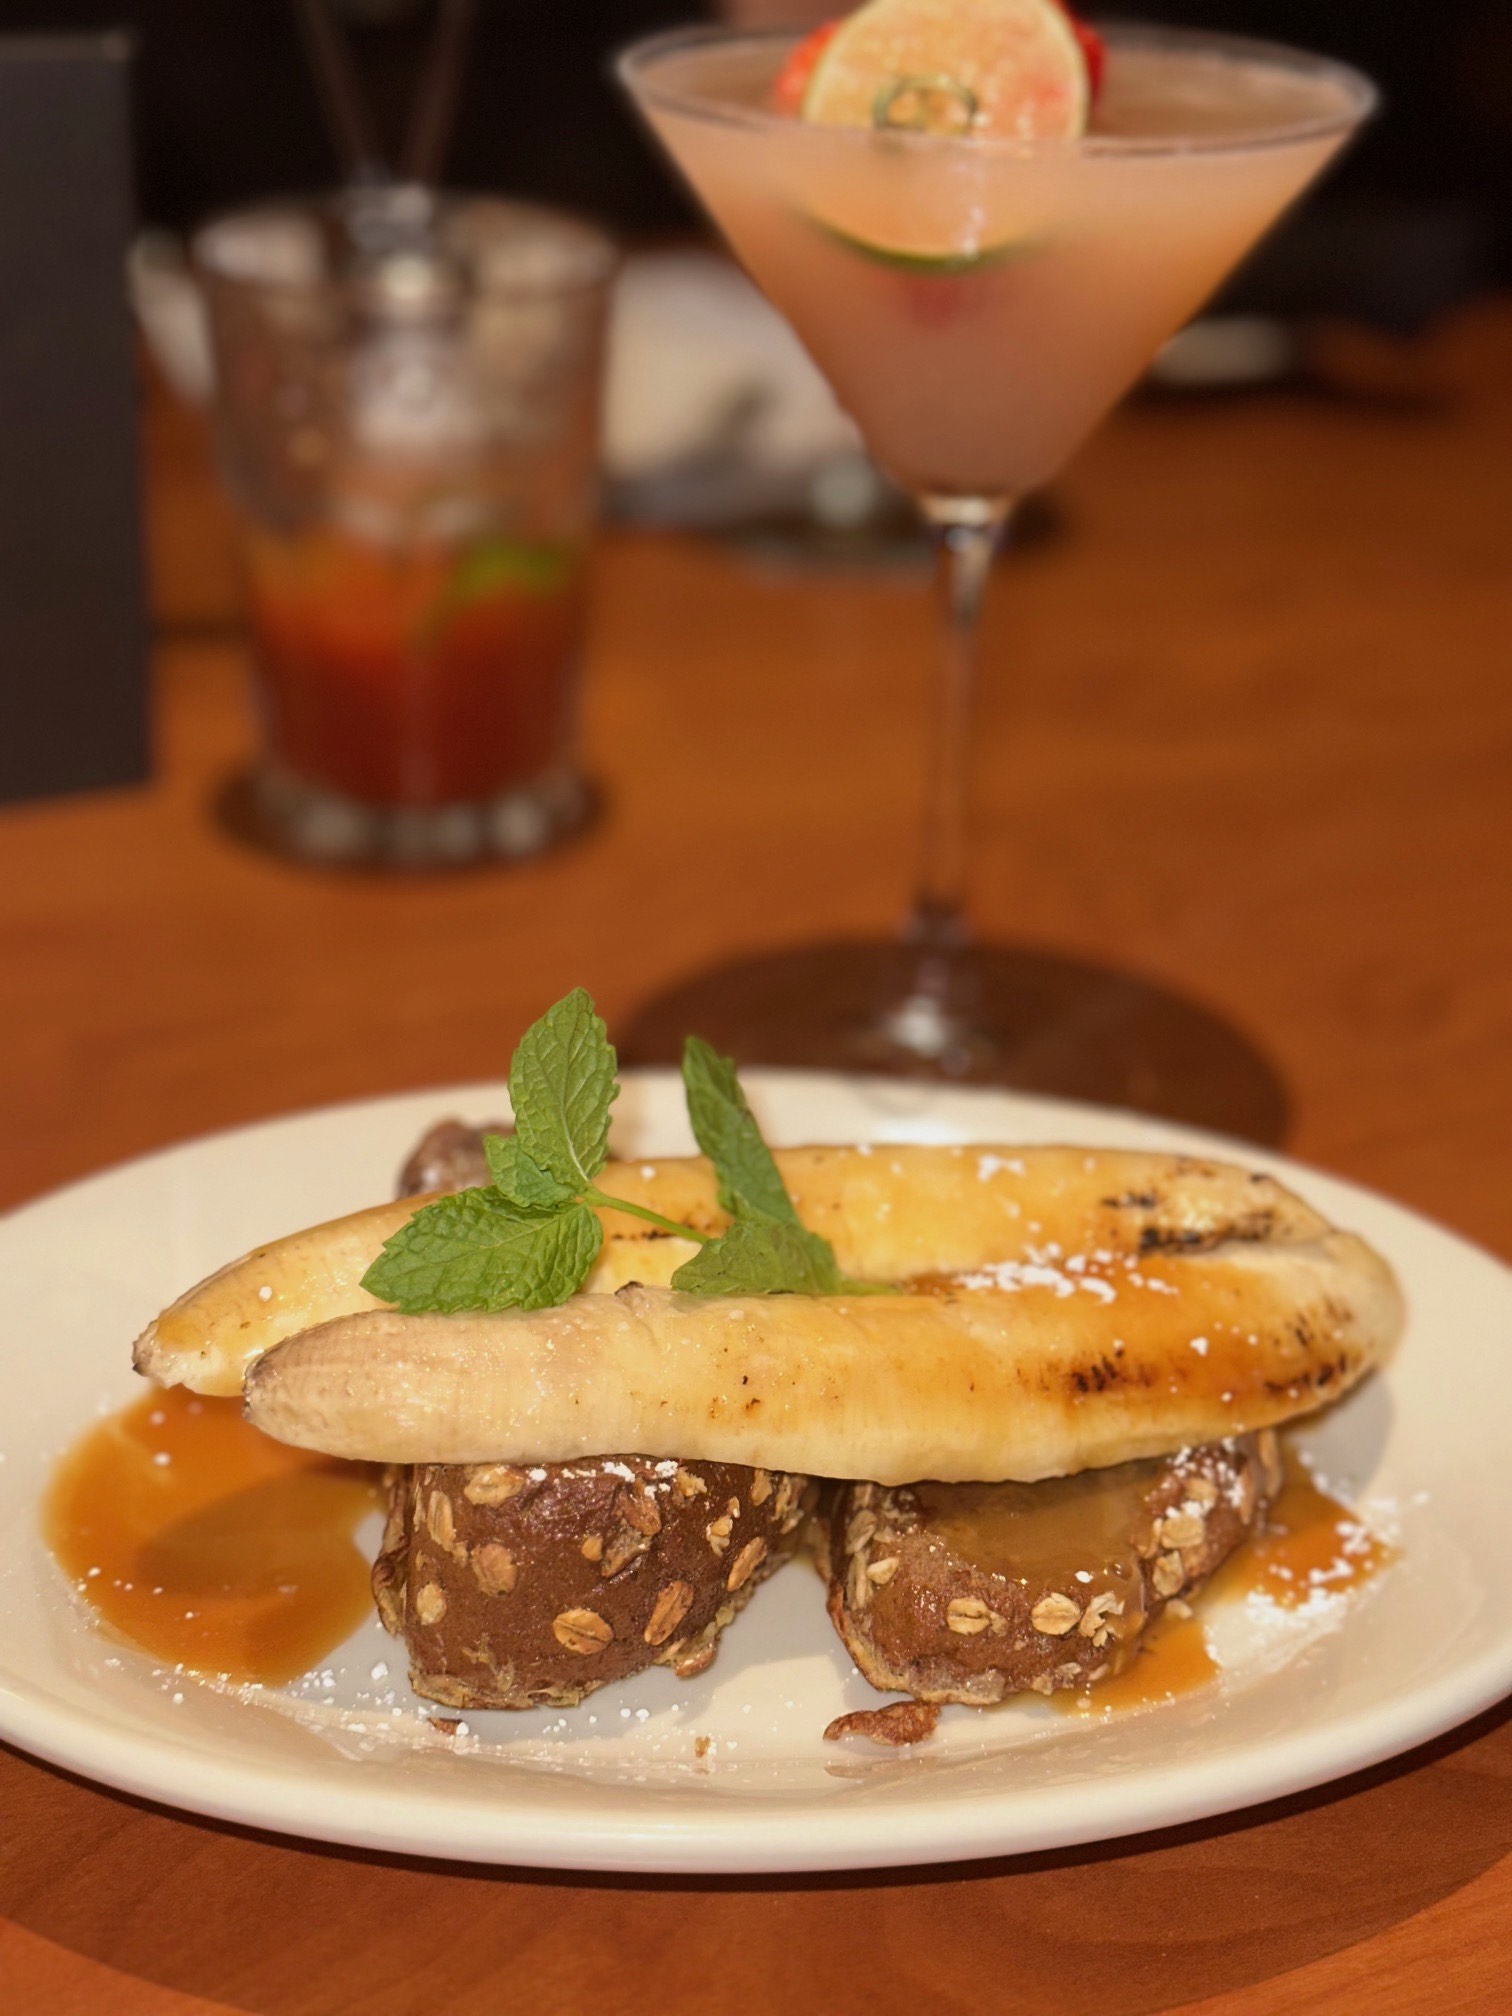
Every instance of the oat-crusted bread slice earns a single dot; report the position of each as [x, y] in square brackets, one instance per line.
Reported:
[971, 1592]
[519, 1587]
[528, 1587]
[448, 1156]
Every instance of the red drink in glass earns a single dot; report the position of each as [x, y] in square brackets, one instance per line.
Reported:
[424, 675]
[407, 405]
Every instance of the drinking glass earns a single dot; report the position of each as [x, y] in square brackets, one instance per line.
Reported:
[407, 417]
[978, 304]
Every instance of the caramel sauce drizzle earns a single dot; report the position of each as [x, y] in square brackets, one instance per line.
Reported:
[1311, 1543]
[1172, 1659]
[1061, 1533]
[215, 1548]
[208, 1544]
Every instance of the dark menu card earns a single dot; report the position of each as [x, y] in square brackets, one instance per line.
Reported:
[73, 705]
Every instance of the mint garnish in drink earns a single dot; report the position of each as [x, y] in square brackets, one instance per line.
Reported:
[495, 567]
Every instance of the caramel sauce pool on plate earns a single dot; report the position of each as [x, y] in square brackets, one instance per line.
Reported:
[1311, 1543]
[208, 1544]
[215, 1548]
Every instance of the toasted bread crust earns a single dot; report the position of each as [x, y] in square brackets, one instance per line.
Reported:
[921, 1617]
[522, 1588]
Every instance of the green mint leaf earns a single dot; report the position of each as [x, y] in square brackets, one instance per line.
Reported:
[757, 1257]
[519, 1179]
[750, 1185]
[497, 567]
[475, 1250]
[562, 1084]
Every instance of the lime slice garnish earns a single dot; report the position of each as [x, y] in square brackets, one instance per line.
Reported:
[964, 68]
[948, 265]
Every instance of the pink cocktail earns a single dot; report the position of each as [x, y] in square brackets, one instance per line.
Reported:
[978, 301]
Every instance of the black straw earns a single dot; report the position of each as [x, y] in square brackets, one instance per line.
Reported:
[346, 112]
[436, 104]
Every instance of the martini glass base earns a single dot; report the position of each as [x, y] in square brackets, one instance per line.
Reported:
[978, 1014]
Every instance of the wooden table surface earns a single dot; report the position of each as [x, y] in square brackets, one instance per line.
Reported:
[1248, 730]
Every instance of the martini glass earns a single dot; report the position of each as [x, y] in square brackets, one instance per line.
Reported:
[977, 305]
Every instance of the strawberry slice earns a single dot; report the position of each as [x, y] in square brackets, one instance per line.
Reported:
[793, 78]
[1094, 51]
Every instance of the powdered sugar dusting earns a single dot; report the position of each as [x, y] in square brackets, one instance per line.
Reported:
[1012, 1276]
[1100, 1273]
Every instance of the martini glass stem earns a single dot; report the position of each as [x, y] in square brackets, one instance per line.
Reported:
[967, 533]
[931, 1021]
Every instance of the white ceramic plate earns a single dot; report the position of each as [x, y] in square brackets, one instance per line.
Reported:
[729, 1772]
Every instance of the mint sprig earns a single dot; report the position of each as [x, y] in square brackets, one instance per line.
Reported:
[519, 1180]
[750, 1184]
[756, 1257]
[529, 1240]
[562, 1083]
[478, 1251]
[767, 1250]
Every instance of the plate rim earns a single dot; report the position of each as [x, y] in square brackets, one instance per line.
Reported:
[1205, 1139]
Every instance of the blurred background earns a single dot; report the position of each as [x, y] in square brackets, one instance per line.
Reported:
[1276, 559]
[438, 571]
[727, 427]
[130, 122]
[225, 109]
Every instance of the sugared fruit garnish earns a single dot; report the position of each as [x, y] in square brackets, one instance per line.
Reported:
[1094, 53]
[793, 78]
[1001, 69]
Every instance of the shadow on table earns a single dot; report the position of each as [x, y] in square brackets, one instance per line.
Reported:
[1128, 1928]
[1055, 1025]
